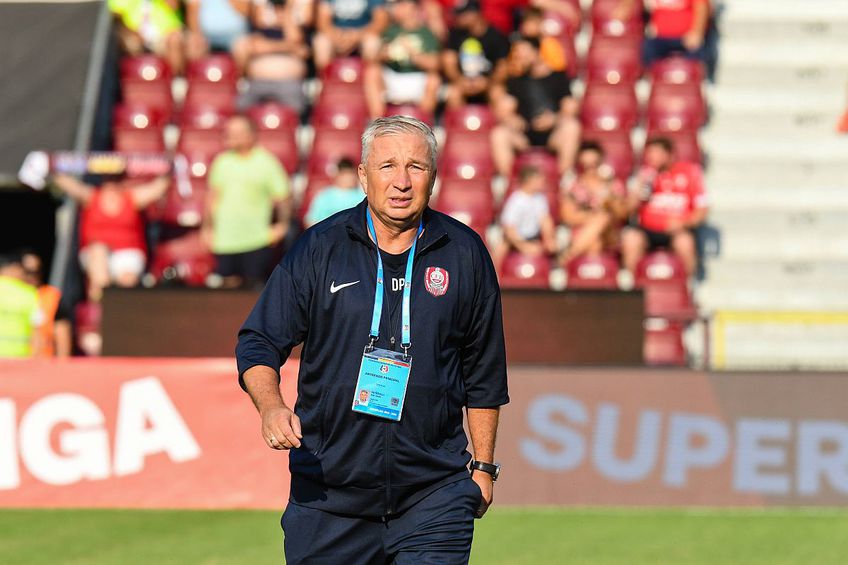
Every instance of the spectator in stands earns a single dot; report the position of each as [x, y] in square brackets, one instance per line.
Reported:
[273, 57]
[246, 185]
[112, 243]
[406, 70]
[152, 26]
[550, 49]
[346, 27]
[676, 26]
[528, 226]
[214, 25]
[475, 57]
[671, 203]
[535, 108]
[55, 334]
[344, 193]
[594, 205]
[19, 312]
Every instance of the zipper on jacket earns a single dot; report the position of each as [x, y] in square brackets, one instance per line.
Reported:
[392, 342]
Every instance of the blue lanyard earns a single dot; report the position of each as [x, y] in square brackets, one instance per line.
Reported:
[378, 293]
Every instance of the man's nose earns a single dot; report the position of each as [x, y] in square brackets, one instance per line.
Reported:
[402, 180]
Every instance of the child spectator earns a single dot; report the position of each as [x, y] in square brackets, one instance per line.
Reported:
[407, 67]
[528, 226]
[475, 57]
[246, 184]
[348, 27]
[534, 108]
[551, 50]
[344, 193]
[671, 203]
[112, 243]
[594, 205]
[273, 56]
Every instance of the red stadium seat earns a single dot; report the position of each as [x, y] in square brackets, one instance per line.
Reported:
[346, 70]
[183, 205]
[277, 129]
[212, 83]
[614, 60]
[411, 111]
[522, 271]
[338, 115]
[202, 134]
[617, 147]
[683, 101]
[474, 118]
[677, 70]
[88, 319]
[557, 24]
[331, 145]
[469, 201]
[185, 259]
[466, 161]
[605, 20]
[148, 68]
[137, 129]
[663, 345]
[662, 276]
[600, 272]
[686, 146]
[146, 81]
[608, 108]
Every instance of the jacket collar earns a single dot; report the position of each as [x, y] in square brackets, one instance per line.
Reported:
[434, 226]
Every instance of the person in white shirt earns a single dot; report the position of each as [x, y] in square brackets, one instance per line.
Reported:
[528, 226]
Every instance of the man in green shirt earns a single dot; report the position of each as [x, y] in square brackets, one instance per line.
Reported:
[407, 67]
[19, 312]
[246, 185]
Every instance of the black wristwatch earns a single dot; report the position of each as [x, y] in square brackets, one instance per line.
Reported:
[492, 468]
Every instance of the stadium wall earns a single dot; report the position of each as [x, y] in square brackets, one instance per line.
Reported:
[178, 433]
[541, 327]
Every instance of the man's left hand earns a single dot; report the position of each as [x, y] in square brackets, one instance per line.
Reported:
[484, 481]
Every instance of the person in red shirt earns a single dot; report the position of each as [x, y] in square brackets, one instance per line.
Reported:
[676, 26]
[670, 202]
[112, 245]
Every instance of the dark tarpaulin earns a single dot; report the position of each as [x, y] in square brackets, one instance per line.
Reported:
[44, 57]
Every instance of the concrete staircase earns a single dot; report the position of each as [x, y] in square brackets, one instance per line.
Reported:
[778, 183]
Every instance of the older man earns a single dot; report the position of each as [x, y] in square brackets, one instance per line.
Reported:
[402, 302]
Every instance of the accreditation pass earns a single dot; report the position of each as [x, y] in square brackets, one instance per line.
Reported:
[381, 386]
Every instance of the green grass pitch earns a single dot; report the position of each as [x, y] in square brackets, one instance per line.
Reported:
[505, 535]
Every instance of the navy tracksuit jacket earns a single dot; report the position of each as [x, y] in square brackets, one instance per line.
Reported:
[353, 463]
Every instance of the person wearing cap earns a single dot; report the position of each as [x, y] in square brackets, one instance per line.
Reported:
[402, 302]
[475, 57]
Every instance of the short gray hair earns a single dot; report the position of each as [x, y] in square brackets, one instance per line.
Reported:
[396, 125]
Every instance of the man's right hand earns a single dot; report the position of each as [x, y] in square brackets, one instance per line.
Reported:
[281, 428]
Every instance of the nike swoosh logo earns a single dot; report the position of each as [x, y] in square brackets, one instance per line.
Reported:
[334, 289]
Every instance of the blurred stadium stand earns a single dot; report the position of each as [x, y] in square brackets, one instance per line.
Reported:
[777, 181]
[772, 168]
